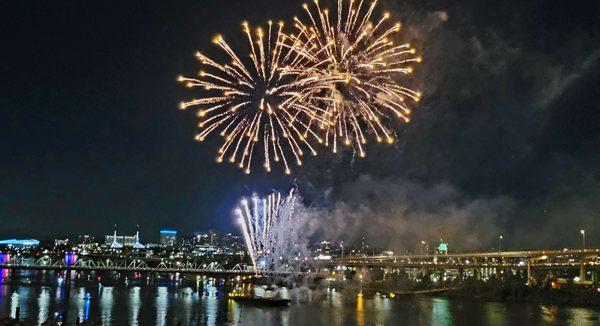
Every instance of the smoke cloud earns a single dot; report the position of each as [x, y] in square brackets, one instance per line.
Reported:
[504, 141]
[397, 214]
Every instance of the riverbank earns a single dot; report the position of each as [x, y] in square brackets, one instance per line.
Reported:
[569, 294]
[507, 288]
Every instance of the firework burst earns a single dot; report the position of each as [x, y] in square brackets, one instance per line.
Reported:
[365, 70]
[259, 104]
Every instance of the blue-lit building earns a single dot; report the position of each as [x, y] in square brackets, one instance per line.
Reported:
[168, 238]
[23, 243]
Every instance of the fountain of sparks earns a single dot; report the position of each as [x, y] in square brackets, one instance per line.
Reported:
[270, 226]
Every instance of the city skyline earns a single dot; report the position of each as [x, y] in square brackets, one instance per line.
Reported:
[504, 140]
[324, 162]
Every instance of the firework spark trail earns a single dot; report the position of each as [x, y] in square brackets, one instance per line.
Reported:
[264, 101]
[269, 226]
[363, 68]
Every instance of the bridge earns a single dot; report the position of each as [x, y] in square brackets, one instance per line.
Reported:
[474, 264]
[138, 264]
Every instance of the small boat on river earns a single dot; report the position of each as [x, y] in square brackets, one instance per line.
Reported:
[263, 295]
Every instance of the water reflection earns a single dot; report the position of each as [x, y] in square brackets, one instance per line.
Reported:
[233, 312]
[549, 313]
[496, 314]
[106, 304]
[20, 300]
[382, 307]
[211, 305]
[335, 301]
[440, 312]
[187, 305]
[134, 305]
[80, 303]
[14, 303]
[162, 305]
[582, 316]
[86, 310]
[43, 304]
[360, 310]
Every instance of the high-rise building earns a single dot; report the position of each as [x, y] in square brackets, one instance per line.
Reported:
[232, 244]
[325, 247]
[85, 239]
[207, 238]
[87, 243]
[324, 250]
[168, 238]
[61, 242]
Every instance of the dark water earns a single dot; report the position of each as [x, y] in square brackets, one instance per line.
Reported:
[41, 294]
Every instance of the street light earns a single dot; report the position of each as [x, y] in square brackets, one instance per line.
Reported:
[500, 243]
[582, 231]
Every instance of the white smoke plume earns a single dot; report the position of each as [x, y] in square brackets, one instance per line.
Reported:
[398, 214]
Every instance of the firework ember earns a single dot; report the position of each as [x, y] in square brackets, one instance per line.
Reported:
[365, 68]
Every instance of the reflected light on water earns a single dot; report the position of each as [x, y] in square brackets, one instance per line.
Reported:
[162, 305]
[212, 306]
[382, 308]
[80, 303]
[134, 305]
[4, 275]
[440, 312]
[22, 297]
[582, 316]
[60, 292]
[187, 305]
[335, 300]
[106, 304]
[496, 314]
[39, 297]
[14, 303]
[549, 313]
[233, 315]
[360, 310]
[285, 317]
[43, 304]
[86, 310]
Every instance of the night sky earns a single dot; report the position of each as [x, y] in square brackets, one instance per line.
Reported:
[507, 134]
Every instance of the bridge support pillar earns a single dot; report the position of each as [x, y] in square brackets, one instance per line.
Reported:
[595, 275]
[529, 275]
[582, 272]
[386, 271]
[151, 277]
[413, 274]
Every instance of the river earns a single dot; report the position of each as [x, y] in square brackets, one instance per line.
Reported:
[131, 300]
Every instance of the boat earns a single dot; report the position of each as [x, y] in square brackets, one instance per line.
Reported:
[261, 295]
[273, 302]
